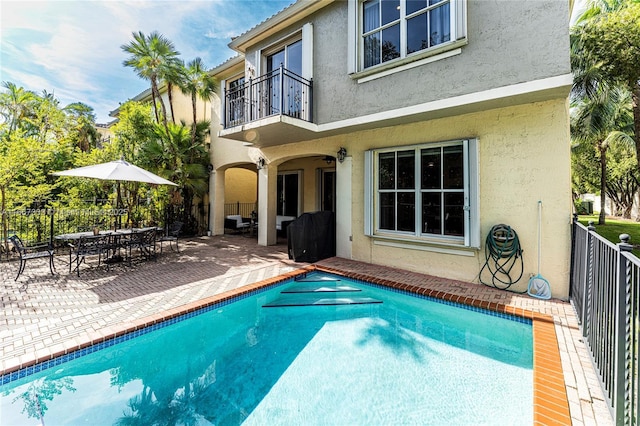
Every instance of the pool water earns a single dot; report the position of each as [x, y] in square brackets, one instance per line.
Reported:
[327, 352]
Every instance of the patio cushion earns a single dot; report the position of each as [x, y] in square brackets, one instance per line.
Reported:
[236, 223]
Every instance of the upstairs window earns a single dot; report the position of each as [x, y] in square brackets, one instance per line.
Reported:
[381, 31]
[404, 30]
[393, 28]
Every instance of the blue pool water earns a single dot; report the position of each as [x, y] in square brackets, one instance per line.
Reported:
[379, 357]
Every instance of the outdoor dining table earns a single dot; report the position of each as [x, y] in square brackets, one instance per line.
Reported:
[73, 237]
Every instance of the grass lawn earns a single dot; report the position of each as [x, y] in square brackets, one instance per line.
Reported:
[613, 227]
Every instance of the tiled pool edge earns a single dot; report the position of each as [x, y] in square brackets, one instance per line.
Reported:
[550, 397]
[550, 402]
[112, 332]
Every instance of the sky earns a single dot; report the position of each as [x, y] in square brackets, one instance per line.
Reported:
[72, 48]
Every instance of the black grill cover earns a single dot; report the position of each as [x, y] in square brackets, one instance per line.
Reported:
[312, 237]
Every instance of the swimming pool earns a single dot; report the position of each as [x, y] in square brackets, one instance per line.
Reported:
[382, 356]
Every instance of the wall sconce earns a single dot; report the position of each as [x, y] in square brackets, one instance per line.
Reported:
[342, 153]
[260, 163]
[328, 159]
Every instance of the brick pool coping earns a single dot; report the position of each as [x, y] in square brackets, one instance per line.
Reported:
[550, 403]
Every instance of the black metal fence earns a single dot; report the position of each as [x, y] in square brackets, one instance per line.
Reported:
[35, 226]
[605, 291]
[243, 209]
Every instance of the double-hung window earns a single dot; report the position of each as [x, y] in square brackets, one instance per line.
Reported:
[424, 192]
[393, 30]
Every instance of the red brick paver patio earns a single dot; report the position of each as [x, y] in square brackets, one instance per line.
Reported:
[44, 315]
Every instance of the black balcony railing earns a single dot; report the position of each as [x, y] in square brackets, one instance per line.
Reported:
[279, 92]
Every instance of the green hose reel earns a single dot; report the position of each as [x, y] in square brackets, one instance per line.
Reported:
[503, 258]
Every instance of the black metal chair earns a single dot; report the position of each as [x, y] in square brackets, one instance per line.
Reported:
[90, 245]
[171, 236]
[143, 241]
[39, 251]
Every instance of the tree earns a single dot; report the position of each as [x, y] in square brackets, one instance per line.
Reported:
[21, 180]
[16, 105]
[197, 82]
[599, 121]
[608, 39]
[622, 177]
[174, 76]
[82, 124]
[152, 57]
[182, 162]
[135, 128]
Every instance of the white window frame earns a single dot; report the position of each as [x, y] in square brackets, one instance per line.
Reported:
[471, 237]
[306, 35]
[458, 38]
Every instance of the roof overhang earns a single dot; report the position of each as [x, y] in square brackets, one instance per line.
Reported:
[280, 21]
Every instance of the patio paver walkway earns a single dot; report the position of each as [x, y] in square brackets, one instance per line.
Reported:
[42, 314]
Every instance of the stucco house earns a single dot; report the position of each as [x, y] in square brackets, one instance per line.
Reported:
[421, 124]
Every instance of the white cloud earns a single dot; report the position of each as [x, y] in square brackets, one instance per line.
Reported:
[73, 47]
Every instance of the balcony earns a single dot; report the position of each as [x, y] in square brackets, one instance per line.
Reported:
[266, 109]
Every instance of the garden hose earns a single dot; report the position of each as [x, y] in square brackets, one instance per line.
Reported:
[502, 253]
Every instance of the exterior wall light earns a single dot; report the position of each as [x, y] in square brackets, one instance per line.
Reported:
[260, 163]
[342, 153]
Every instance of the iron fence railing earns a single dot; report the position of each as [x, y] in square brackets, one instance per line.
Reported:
[278, 92]
[243, 209]
[605, 291]
[35, 226]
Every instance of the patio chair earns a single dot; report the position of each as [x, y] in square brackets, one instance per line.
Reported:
[144, 241]
[39, 251]
[237, 223]
[171, 236]
[89, 245]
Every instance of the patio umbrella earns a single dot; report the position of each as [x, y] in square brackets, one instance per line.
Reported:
[119, 170]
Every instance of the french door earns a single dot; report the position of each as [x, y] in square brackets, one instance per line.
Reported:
[328, 190]
[283, 100]
[288, 188]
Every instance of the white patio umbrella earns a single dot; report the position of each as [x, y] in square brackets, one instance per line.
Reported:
[116, 170]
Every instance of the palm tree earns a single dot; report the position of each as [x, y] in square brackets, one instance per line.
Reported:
[597, 8]
[16, 105]
[174, 76]
[182, 162]
[152, 57]
[600, 120]
[607, 34]
[197, 83]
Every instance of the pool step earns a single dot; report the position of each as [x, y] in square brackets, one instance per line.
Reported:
[317, 280]
[321, 289]
[320, 301]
